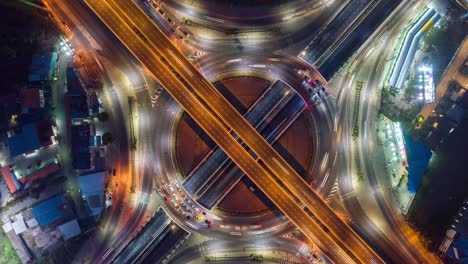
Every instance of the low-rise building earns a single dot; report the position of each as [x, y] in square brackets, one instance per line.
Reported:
[53, 211]
[17, 243]
[80, 146]
[30, 137]
[12, 182]
[41, 173]
[42, 67]
[31, 99]
[76, 98]
[70, 229]
[92, 192]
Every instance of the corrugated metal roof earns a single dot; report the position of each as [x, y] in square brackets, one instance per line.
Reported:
[41, 173]
[10, 179]
[52, 210]
[24, 142]
[70, 229]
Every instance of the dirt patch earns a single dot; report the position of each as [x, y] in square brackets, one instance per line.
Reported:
[192, 143]
[245, 89]
[242, 200]
[190, 147]
[297, 141]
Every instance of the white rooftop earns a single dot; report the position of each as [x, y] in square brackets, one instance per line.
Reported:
[7, 227]
[19, 227]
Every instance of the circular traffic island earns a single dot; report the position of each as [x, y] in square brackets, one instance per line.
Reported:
[211, 179]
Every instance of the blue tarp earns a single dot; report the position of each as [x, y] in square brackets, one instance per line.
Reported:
[51, 210]
[24, 142]
[418, 156]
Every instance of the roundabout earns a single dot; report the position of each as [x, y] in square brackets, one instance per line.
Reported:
[206, 194]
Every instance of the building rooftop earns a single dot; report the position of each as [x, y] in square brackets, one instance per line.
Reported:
[42, 66]
[80, 139]
[52, 211]
[76, 97]
[19, 226]
[70, 229]
[45, 132]
[459, 248]
[10, 179]
[43, 172]
[92, 191]
[30, 99]
[24, 142]
[17, 243]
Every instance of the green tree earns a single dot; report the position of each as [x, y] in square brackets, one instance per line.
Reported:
[107, 138]
[103, 116]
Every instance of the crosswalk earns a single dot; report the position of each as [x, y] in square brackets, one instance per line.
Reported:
[155, 96]
[139, 87]
[198, 54]
[333, 191]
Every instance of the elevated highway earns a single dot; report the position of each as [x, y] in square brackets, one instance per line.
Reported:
[269, 171]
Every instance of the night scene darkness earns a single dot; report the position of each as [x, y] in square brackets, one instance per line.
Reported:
[234, 131]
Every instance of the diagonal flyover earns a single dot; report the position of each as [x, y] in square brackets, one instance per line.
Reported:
[217, 131]
[270, 172]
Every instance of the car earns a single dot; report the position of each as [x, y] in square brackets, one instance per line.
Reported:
[199, 218]
[204, 213]
[188, 217]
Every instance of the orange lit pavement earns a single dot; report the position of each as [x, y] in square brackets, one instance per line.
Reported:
[215, 115]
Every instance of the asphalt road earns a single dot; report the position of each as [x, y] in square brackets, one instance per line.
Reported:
[395, 247]
[134, 40]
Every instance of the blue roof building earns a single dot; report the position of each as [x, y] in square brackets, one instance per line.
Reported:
[92, 191]
[70, 229]
[418, 160]
[76, 96]
[42, 67]
[52, 211]
[24, 142]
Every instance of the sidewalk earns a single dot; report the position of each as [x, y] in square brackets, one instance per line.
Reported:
[391, 141]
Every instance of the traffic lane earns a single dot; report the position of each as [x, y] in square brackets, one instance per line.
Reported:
[225, 110]
[224, 140]
[346, 187]
[163, 247]
[271, 131]
[384, 204]
[279, 167]
[286, 68]
[62, 9]
[271, 17]
[214, 163]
